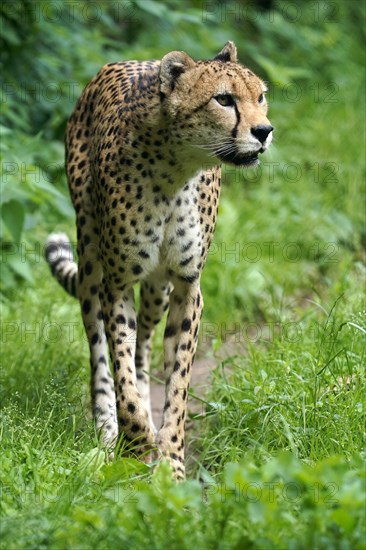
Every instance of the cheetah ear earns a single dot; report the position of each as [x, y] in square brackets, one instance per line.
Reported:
[172, 66]
[228, 53]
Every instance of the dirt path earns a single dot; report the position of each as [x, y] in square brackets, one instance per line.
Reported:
[200, 382]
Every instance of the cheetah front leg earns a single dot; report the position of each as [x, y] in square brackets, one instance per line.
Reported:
[180, 342]
[120, 324]
[102, 388]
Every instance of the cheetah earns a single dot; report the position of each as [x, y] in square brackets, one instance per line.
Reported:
[144, 148]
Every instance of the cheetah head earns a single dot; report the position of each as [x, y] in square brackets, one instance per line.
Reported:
[216, 108]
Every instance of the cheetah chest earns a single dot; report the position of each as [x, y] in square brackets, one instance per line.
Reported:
[166, 238]
[180, 251]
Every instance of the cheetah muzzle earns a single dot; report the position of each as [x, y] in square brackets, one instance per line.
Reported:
[143, 151]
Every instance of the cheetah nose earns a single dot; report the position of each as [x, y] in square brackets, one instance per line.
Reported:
[261, 132]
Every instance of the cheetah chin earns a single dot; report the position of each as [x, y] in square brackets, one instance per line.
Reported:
[238, 159]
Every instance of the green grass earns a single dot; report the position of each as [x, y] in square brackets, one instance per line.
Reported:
[300, 387]
[277, 456]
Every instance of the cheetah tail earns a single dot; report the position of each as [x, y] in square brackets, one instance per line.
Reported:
[58, 253]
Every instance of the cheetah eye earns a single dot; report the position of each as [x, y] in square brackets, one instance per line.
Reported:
[261, 98]
[226, 100]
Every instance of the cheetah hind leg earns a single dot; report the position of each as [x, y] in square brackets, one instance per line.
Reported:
[154, 301]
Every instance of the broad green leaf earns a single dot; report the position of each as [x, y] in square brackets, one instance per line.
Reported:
[12, 213]
[122, 469]
[21, 267]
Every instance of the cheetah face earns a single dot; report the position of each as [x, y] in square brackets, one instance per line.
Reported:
[218, 107]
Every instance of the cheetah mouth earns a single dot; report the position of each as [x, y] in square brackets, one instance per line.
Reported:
[239, 159]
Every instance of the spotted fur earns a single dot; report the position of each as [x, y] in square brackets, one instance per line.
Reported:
[143, 149]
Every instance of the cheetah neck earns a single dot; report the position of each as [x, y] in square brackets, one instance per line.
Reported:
[156, 140]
